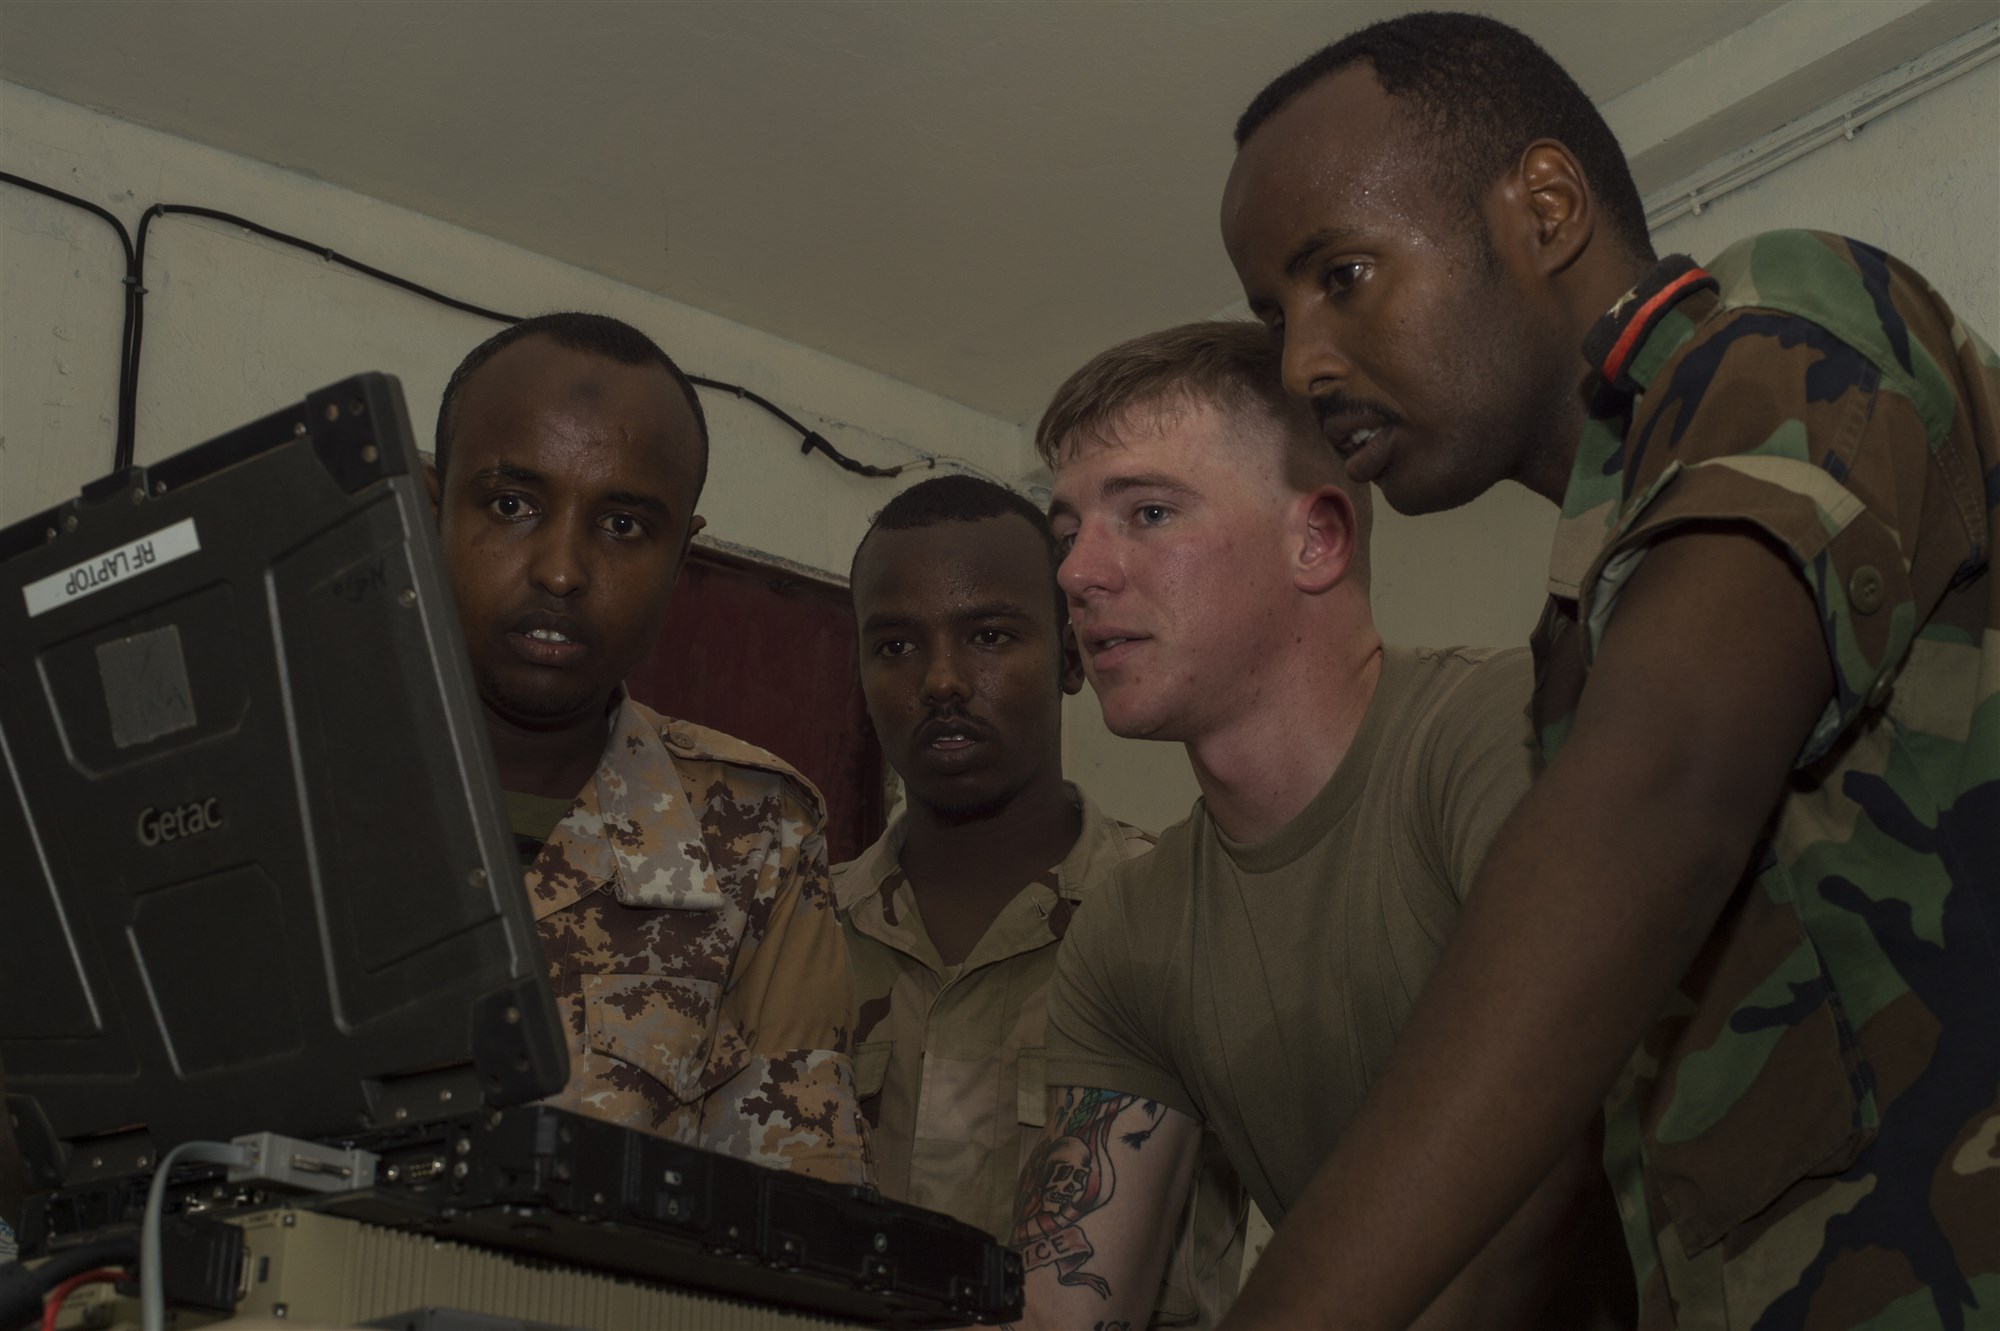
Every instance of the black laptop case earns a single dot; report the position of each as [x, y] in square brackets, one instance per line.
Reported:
[257, 878]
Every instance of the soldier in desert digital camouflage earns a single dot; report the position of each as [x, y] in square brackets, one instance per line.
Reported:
[677, 877]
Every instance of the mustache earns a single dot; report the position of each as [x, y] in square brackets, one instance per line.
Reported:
[956, 719]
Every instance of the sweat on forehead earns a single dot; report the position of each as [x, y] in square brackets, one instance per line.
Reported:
[1477, 93]
[537, 388]
[595, 335]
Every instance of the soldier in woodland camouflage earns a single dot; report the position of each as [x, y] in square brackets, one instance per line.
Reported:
[1754, 899]
[677, 876]
[1845, 1067]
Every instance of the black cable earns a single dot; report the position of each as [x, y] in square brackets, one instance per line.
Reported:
[128, 391]
[124, 238]
[22, 1287]
[132, 335]
[810, 440]
[331, 256]
[127, 354]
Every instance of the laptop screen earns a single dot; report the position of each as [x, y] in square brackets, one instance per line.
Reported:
[256, 872]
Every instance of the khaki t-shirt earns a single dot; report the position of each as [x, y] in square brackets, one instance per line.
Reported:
[1258, 988]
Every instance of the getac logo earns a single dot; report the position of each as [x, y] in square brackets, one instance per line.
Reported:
[157, 826]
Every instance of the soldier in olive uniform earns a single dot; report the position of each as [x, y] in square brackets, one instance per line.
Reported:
[1753, 903]
[677, 876]
[953, 916]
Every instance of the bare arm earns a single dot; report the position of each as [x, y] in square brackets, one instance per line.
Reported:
[1591, 904]
[1507, 1286]
[1096, 1208]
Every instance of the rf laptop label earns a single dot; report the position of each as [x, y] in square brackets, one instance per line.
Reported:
[94, 575]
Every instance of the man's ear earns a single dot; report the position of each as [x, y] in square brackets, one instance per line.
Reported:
[1327, 539]
[1072, 660]
[1545, 202]
[695, 524]
[434, 484]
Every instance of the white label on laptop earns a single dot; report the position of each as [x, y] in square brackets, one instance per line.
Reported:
[94, 575]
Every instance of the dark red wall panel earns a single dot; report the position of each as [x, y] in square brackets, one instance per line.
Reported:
[768, 656]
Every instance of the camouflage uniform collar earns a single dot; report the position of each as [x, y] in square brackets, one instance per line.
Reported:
[1614, 341]
[631, 829]
[1612, 349]
[860, 878]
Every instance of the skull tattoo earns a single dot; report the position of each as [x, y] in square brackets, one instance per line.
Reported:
[1065, 1173]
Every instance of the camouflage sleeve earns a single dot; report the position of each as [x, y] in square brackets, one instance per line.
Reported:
[788, 1016]
[1822, 415]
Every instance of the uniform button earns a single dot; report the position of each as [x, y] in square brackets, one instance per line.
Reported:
[1864, 589]
[681, 739]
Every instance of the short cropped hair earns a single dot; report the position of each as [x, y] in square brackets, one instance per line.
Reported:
[1481, 92]
[595, 334]
[961, 498]
[1234, 366]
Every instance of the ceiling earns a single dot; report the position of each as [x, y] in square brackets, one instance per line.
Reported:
[970, 196]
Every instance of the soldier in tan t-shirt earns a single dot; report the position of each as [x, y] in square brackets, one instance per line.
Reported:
[1250, 976]
[954, 915]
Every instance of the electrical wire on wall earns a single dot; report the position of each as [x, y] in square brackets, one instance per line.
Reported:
[121, 453]
[133, 334]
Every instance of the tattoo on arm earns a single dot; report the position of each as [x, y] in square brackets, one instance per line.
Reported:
[1072, 1173]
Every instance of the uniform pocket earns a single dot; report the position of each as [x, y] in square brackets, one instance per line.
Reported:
[1770, 1092]
[1031, 1088]
[871, 1066]
[662, 1025]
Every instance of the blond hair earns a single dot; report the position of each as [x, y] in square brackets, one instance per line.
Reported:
[1233, 366]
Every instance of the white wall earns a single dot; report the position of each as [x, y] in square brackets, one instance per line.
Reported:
[237, 326]
[1922, 182]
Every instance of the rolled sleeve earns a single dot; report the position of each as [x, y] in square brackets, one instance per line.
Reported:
[1094, 1038]
[783, 1092]
[1769, 423]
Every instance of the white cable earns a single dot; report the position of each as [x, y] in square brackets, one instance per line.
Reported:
[152, 1282]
